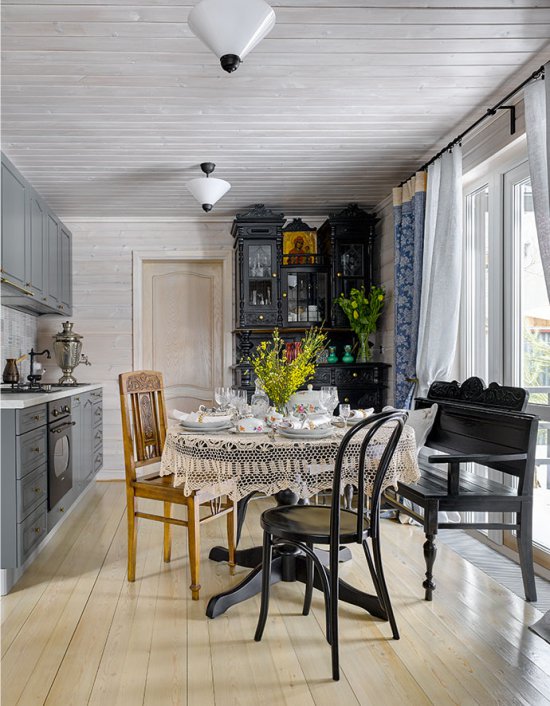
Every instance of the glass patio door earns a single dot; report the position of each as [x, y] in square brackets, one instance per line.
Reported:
[506, 313]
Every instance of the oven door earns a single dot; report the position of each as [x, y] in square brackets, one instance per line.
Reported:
[60, 472]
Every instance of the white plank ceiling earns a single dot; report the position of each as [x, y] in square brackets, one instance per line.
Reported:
[109, 107]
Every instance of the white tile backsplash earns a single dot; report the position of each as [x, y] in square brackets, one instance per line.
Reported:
[19, 335]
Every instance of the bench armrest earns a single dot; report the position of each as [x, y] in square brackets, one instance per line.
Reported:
[475, 458]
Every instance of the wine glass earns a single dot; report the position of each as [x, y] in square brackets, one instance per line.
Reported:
[345, 411]
[329, 398]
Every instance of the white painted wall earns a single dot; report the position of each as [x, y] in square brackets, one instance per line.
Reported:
[103, 307]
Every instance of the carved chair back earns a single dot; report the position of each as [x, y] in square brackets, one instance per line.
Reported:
[143, 410]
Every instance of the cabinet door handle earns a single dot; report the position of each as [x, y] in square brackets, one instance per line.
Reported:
[36, 417]
[284, 295]
[37, 530]
[37, 490]
[354, 375]
[36, 450]
[17, 286]
[346, 399]
[97, 412]
[338, 274]
[274, 274]
[261, 317]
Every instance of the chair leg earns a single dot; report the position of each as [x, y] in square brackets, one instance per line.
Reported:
[131, 508]
[525, 551]
[309, 582]
[266, 585]
[430, 551]
[334, 598]
[193, 529]
[167, 533]
[232, 534]
[377, 556]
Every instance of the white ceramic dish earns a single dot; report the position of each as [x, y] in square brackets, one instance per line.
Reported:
[306, 433]
[196, 427]
[250, 433]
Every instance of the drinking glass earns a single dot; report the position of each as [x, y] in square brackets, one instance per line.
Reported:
[329, 398]
[219, 396]
[345, 411]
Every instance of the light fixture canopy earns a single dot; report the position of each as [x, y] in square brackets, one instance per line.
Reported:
[208, 190]
[231, 28]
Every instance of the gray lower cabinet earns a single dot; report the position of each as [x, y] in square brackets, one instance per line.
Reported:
[23, 483]
[25, 519]
[36, 250]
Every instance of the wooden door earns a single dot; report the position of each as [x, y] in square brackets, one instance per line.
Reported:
[182, 328]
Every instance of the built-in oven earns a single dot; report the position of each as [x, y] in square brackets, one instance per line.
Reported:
[60, 466]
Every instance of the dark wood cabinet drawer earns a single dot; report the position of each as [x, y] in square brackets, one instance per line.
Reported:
[354, 376]
[264, 318]
[323, 376]
[32, 451]
[31, 531]
[31, 418]
[31, 491]
[97, 415]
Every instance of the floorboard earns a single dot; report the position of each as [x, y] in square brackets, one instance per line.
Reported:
[74, 631]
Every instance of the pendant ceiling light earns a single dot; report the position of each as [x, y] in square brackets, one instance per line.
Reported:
[208, 190]
[231, 28]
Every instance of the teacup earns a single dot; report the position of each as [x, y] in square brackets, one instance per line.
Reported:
[250, 425]
[273, 417]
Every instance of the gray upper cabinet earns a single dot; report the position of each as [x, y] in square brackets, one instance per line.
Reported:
[38, 245]
[65, 261]
[14, 228]
[53, 261]
[36, 250]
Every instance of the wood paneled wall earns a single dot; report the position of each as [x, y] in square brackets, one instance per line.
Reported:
[103, 307]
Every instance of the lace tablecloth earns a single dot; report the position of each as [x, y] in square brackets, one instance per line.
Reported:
[228, 463]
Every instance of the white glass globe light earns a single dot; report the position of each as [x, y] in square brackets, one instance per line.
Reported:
[231, 28]
[208, 190]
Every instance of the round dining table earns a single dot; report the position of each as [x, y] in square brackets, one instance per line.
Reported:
[291, 469]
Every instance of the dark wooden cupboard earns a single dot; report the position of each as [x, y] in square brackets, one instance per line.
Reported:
[293, 294]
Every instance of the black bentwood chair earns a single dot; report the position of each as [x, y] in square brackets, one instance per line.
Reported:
[306, 525]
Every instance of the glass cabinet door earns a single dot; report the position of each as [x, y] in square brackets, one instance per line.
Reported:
[261, 276]
[350, 264]
[305, 297]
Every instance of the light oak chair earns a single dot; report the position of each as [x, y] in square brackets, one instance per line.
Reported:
[143, 410]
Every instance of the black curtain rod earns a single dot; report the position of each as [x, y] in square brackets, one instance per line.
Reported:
[539, 73]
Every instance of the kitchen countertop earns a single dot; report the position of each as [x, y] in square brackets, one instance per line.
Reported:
[23, 400]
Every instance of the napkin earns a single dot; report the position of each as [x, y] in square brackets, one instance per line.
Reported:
[201, 417]
[316, 422]
[361, 413]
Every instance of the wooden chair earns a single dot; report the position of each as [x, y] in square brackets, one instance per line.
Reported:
[306, 525]
[143, 410]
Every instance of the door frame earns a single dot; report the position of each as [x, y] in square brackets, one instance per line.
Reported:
[190, 254]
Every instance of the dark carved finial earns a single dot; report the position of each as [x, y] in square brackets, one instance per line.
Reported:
[473, 391]
[353, 213]
[297, 226]
[258, 212]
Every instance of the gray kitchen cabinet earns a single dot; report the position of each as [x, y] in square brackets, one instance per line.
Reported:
[36, 250]
[65, 269]
[23, 483]
[14, 231]
[38, 246]
[52, 227]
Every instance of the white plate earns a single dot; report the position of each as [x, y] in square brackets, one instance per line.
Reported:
[305, 433]
[204, 428]
[204, 425]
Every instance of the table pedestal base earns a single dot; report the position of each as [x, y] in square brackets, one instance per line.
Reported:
[288, 564]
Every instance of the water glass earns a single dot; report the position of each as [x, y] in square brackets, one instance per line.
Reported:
[329, 398]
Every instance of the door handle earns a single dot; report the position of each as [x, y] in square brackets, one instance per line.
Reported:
[17, 286]
[59, 429]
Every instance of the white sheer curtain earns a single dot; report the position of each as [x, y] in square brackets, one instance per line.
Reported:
[537, 124]
[441, 271]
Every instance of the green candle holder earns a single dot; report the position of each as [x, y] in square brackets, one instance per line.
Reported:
[332, 357]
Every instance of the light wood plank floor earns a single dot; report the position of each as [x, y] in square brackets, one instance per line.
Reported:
[75, 632]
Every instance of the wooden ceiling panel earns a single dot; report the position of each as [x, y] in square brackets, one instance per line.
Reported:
[108, 108]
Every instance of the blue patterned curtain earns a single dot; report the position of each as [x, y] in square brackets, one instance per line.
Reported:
[409, 206]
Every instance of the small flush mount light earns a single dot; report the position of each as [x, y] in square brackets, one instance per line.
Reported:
[231, 28]
[208, 190]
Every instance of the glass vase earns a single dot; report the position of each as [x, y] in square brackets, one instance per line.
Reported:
[365, 352]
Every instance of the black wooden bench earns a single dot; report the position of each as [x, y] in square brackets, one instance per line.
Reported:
[479, 425]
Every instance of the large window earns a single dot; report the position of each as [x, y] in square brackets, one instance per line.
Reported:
[506, 313]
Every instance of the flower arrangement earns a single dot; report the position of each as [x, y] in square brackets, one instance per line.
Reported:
[281, 377]
[363, 311]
